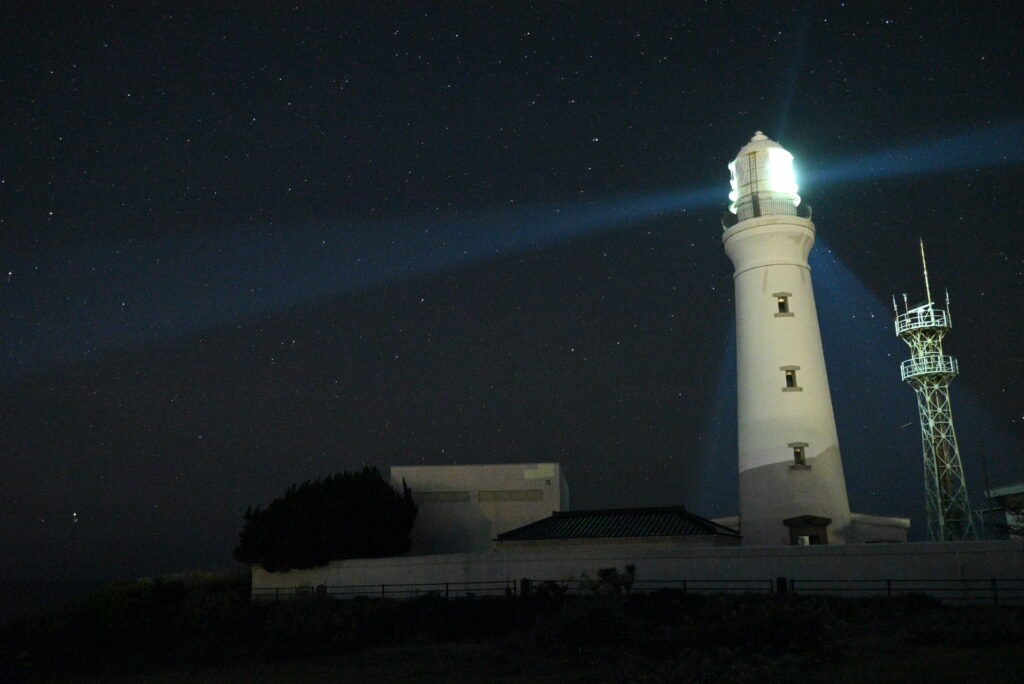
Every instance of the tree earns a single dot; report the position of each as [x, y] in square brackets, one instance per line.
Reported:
[347, 515]
[611, 582]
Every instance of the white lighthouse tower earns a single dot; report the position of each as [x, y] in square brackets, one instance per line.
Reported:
[791, 484]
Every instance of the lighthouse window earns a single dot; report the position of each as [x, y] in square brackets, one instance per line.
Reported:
[782, 303]
[799, 456]
[790, 374]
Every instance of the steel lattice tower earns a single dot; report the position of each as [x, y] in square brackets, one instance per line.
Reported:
[929, 372]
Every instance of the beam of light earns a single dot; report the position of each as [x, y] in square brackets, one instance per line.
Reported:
[997, 146]
[64, 305]
[76, 302]
[717, 488]
[806, 14]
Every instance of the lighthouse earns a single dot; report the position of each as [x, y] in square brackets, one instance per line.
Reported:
[791, 485]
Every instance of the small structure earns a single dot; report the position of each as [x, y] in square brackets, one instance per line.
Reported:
[463, 507]
[878, 529]
[1007, 504]
[660, 525]
[807, 530]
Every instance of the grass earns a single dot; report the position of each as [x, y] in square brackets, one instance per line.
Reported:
[877, 660]
[472, 663]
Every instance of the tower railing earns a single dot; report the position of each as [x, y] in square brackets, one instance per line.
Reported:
[753, 206]
[928, 364]
[922, 317]
[764, 207]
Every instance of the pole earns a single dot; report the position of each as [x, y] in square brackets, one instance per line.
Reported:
[988, 489]
[924, 266]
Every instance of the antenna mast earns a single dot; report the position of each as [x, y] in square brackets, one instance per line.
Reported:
[924, 267]
[929, 371]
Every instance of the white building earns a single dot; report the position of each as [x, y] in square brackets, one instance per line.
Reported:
[463, 508]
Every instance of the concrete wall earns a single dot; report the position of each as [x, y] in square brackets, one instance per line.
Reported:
[916, 561]
[462, 508]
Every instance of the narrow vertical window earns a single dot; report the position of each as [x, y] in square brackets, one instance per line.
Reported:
[799, 456]
[782, 304]
[790, 375]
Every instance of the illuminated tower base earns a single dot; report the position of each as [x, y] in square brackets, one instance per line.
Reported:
[792, 489]
[929, 372]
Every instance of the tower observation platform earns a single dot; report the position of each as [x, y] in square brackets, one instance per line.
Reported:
[927, 326]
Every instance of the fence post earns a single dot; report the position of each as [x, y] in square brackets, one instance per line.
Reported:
[782, 586]
[888, 588]
[525, 587]
[995, 593]
[446, 590]
[383, 591]
[684, 586]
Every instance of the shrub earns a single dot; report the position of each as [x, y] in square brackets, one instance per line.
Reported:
[610, 582]
[347, 515]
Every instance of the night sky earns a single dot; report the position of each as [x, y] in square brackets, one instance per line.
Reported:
[244, 247]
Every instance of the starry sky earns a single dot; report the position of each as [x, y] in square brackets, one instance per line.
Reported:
[245, 246]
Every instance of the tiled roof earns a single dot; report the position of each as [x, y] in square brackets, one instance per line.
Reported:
[671, 521]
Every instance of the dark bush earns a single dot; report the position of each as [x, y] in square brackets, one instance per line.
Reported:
[347, 515]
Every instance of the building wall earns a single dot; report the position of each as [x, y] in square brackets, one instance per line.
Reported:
[462, 508]
[915, 561]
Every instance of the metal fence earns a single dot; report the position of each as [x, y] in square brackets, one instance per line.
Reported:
[686, 586]
[991, 591]
[965, 591]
